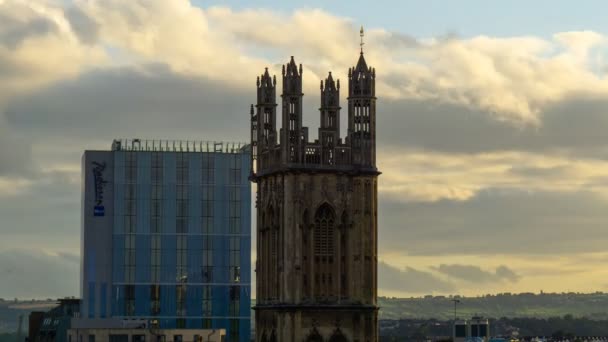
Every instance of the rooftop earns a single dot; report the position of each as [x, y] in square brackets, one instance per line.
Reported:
[178, 146]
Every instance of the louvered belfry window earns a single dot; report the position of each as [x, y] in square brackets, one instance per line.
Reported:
[324, 252]
[324, 231]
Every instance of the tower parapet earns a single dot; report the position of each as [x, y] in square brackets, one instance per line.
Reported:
[355, 153]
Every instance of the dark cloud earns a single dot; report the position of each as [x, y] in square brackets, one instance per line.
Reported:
[126, 102]
[69, 257]
[15, 152]
[22, 270]
[496, 221]
[43, 214]
[147, 102]
[398, 40]
[410, 280]
[85, 27]
[151, 102]
[10, 68]
[475, 274]
[503, 272]
[576, 125]
[14, 30]
[541, 172]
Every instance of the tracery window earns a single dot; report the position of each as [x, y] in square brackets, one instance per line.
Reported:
[324, 251]
[344, 256]
[305, 256]
[324, 231]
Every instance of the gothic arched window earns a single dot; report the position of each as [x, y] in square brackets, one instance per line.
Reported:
[305, 255]
[261, 269]
[273, 258]
[324, 252]
[344, 255]
[324, 231]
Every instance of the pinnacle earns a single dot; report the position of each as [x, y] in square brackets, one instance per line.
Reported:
[292, 68]
[361, 64]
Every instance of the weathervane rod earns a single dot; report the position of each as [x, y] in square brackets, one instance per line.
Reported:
[361, 33]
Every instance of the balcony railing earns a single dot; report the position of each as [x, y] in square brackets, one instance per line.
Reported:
[179, 146]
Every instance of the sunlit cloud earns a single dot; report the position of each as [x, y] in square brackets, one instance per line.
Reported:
[512, 79]
[411, 175]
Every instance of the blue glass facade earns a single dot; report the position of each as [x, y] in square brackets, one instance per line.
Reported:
[181, 240]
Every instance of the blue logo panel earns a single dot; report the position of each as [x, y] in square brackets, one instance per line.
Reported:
[99, 210]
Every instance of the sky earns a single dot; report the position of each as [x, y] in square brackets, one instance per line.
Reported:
[492, 124]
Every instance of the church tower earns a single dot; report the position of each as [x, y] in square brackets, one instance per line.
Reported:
[317, 217]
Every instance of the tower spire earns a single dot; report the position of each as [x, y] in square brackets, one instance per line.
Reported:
[362, 112]
[361, 33]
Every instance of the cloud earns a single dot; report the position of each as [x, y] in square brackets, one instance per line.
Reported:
[41, 213]
[22, 269]
[475, 274]
[496, 221]
[70, 257]
[84, 27]
[573, 126]
[509, 79]
[132, 101]
[15, 31]
[482, 74]
[503, 272]
[38, 46]
[410, 280]
[419, 176]
[15, 153]
[487, 145]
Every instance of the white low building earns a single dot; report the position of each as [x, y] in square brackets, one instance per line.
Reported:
[115, 330]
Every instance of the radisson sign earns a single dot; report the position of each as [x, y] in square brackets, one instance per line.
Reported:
[100, 182]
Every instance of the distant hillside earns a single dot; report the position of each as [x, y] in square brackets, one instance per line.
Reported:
[547, 305]
[593, 306]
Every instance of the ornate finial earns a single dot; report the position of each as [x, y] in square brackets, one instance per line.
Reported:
[361, 33]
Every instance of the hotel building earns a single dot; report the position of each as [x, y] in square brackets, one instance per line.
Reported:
[166, 235]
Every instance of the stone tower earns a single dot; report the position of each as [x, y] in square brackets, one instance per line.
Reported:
[316, 212]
